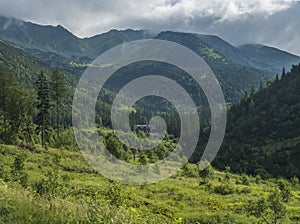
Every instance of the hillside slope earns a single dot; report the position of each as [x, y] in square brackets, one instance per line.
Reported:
[230, 52]
[235, 78]
[24, 66]
[57, 40]
[263, 130]
[269, 58]
[26, 35]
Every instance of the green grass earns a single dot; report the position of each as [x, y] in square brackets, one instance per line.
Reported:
[83, 196]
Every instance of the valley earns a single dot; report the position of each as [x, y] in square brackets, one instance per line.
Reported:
[44, 177]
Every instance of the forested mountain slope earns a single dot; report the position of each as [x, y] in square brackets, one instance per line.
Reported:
[58, 40]
[23, 65]
[234, 78]
[263, 130]
[26, 67]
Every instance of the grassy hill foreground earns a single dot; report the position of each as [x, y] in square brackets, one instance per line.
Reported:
[58, 186]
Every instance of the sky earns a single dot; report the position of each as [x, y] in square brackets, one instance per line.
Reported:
[272, 22]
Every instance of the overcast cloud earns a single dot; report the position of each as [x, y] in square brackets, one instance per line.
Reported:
[269, 22]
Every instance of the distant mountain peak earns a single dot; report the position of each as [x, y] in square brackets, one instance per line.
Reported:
[61, 27]
[269, 58]
[58, 40]
[262, 46]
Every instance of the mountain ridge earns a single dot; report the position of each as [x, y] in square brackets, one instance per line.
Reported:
[57, 39]
[268, 57]
[58, 47]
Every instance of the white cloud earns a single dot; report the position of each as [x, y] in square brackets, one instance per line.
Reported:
[236, 20]
[222, 9]
[88, 17]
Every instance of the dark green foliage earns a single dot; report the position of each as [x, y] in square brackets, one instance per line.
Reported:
[115, 147]
[258, 179]
[19, 163]
[143, 159]
[22, 65]
[207, 172]
[295, 181]
[263, 131]
[257, 208]
[43, 106]
[15, 110]
[59, 88]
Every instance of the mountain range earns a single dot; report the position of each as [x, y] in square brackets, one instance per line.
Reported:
[237, 68]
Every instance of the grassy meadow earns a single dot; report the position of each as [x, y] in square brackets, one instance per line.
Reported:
[58, 186]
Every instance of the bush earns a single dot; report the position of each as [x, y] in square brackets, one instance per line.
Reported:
[245, 179]
[295, 181]
[116, 195]
[257, 179]
[207, 172]
[190, 170]
[5, 173]
[224, 189]
[285, 190]
[18, 175]
[270, 210]
[53, 185]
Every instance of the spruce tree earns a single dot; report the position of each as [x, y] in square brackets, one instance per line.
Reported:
[283, 72]
[43, 106]
[59, 90]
